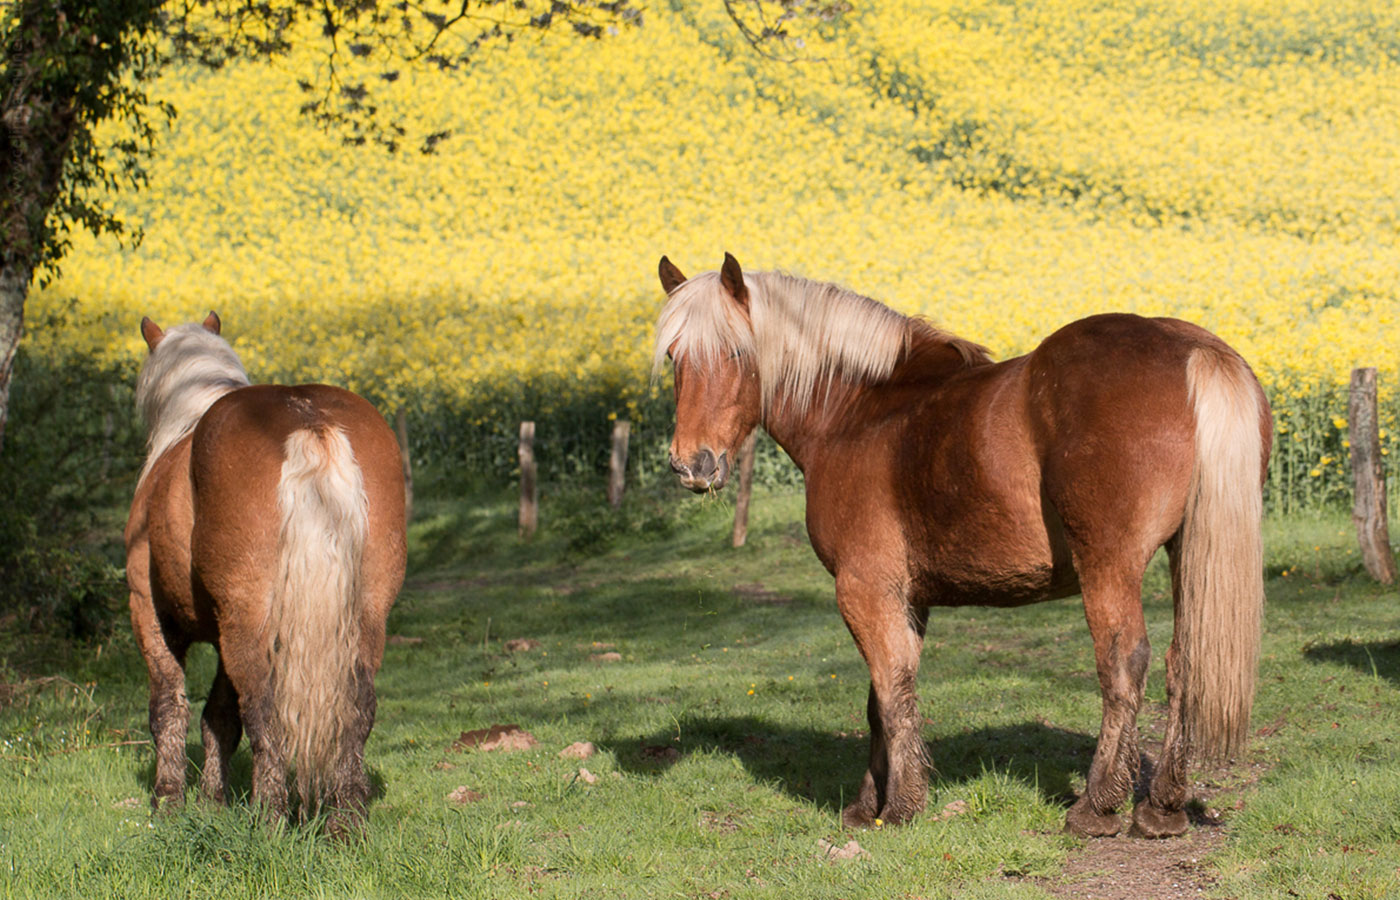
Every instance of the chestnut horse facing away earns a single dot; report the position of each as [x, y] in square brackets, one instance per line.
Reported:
[268, 521]
[936, 477]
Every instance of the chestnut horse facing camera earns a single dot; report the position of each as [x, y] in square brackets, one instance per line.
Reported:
[268, 521]
[936, 477]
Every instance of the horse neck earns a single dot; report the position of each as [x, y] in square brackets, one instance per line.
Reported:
[849, 410]
[803, 432]
[179, 413]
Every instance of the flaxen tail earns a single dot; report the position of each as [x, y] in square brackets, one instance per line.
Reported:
[315, 611]
[1220, 572]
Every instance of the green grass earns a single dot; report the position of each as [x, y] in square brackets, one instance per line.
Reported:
[738, 660]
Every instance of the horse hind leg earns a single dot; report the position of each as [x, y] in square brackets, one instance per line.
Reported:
[1163, 813]
[269, 756]
[348, 797]
[1113, 607]
[221, 728]
[250, 677]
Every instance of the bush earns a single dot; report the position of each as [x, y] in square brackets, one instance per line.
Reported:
[72, 448]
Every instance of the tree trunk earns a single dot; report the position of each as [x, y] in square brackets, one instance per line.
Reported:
[14, 287]
[37, 121]
[64, 61]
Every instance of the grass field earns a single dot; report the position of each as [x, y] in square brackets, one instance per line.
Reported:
[737, 661]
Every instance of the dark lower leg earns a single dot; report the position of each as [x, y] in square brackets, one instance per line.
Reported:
[890, 636]
[169, 718]
[1122, 676]
[1163, 813]
[169, 715]
[349, 795]
[866, 807]
[221, 728]
[269, 762]
[906, 785]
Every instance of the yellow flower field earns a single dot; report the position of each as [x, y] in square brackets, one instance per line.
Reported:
[1000, 167]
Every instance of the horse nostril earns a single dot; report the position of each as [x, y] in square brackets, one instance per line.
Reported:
[704, 464]
[679, 467]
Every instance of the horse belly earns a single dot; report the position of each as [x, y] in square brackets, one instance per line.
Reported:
[1002, 589]
[997, 567]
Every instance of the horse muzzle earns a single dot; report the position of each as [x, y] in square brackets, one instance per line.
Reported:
[704, 472]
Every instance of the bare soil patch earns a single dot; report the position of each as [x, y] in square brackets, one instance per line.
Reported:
[463, 795]
[1128, 868]
[1124, 868]
[578, 750]
[497, 737]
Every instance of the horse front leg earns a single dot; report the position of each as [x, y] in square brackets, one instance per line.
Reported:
[221, 728]
[889, 634]
[1113, 606]
[250, 675]
[866, 807]
[169, 710]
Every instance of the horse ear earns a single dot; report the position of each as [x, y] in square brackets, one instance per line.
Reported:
[212, 323]
[671, 277]
[151, 332]
[732, 277]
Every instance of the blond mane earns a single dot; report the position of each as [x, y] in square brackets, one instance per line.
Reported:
[189, 369]
[801, 334]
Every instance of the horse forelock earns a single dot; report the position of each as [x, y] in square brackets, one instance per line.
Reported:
[190, 368]
[700, 323]
[804, 335]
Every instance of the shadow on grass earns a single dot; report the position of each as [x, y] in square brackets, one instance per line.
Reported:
[825, 768]
[1380, 659]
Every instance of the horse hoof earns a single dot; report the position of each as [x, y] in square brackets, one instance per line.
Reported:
[857, 816]
[1082, 821]
[1151, 822]
[345, 828]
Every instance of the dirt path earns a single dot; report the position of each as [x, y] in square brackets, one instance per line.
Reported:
[1124, 868]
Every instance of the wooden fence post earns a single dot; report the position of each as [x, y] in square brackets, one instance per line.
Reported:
[617, 464]
[1368, 509]
[741, 503]
[529, 497]
[406, 460]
